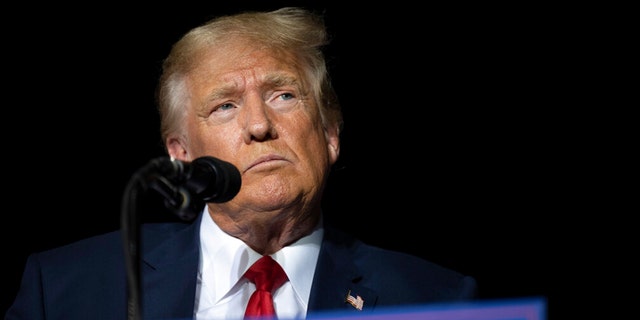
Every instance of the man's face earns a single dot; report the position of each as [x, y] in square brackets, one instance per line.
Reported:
[252, 107]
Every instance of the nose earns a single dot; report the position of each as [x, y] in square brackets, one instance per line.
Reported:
[258, 120]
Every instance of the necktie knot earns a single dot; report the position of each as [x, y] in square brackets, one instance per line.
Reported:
[267, 275]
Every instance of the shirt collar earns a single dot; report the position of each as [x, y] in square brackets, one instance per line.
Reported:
[224, 259]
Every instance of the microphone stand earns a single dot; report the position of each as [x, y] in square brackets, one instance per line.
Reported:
[144, 179]
[130, 226]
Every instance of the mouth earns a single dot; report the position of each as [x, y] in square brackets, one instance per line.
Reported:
[266, 162]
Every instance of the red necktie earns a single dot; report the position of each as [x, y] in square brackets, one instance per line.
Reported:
[267, 275]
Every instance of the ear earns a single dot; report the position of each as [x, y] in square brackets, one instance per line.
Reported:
[333, 143]
[176, 149]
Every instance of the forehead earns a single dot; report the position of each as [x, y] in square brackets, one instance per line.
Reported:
[228, 60]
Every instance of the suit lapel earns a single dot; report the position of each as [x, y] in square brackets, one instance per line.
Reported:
[170, 267]
[337, 278]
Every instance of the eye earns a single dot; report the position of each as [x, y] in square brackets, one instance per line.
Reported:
[284, 101]
[225, 106]
[287, 96]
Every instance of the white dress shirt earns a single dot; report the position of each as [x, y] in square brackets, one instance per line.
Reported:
[222, 293]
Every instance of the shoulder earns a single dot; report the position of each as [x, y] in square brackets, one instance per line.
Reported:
[365, 255]
[383, 268]
[98, 249]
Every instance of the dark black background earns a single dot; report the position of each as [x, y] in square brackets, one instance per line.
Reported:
[456, 144]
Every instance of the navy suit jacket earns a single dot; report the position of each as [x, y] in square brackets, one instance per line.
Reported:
[87, 279]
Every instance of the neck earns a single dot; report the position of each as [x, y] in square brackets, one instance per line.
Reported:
[267, 232]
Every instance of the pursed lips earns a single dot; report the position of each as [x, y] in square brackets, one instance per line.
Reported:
[263, 160]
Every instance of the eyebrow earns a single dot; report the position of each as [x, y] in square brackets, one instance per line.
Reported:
[280, 79]
[275, 79]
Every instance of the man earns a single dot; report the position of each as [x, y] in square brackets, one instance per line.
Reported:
[250, 89]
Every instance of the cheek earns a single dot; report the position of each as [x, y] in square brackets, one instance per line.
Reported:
[215, 141]
[316, 149]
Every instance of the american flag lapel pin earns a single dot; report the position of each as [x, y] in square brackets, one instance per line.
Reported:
[357, 301]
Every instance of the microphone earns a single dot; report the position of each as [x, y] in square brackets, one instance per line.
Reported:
[186, 186]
